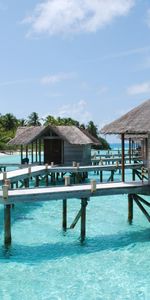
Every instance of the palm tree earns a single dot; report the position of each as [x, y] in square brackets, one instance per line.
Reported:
[33, 119]
[50, 120]
[22, 122]
[92, 128]
[9, 122]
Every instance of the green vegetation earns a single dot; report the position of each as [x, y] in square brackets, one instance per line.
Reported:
[9, 124]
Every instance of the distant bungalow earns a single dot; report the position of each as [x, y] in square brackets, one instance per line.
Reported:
[59, 144]
[133, 125]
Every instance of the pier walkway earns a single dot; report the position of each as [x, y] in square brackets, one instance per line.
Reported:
[40, 170]
[73, 191]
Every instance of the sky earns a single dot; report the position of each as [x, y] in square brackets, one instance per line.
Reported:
[84, 59]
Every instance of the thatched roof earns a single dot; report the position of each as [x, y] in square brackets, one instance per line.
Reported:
[26, 135]
[71, 134]
[136, 121]
[93, 138]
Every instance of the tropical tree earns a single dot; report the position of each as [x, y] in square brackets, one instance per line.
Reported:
[8, 122]
[22, 122]
[92, 129]
[67, 121]
[50, 120]
[33, 119]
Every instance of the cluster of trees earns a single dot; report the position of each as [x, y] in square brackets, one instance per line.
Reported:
[9, 124]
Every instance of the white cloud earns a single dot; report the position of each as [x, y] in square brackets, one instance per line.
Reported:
[70, 16]
[136, 89]
[55, 78]
[77, 111]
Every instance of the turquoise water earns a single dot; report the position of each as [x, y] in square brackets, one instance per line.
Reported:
[44, 263]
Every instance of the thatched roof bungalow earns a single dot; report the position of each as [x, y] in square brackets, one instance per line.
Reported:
[134, 124]
[58, 144]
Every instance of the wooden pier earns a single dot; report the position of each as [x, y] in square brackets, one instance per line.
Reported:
[73, 191]
[85, 192]
[46, 171]
[16, 188]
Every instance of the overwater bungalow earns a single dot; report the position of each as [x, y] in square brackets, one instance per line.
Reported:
[59, 144]
[64, 144]
[133, 125]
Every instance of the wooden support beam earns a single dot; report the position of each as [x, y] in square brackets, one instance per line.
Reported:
[112, 175]
[101, 176]
[53, 178]
[7, 225]
[130, 209]
[138, 174]
[75, 221]
[123, 162]
[21, 150]
[144, 211]
[37, 181]
[36, 150]
[26, 182]
[64, 215]
[46, 179]
[39, 151]
[32, 153]
[133, 175]
[143, 200]
[83, 219]
[27, 151]
[130, 146]
[132, 150]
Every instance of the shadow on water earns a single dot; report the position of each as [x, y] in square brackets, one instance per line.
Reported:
[19, 212]
[46, 252]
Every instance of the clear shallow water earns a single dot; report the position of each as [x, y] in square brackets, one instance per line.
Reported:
[45, 263]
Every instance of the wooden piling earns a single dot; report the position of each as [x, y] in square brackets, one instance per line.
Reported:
[130, 209]
[46, 179]
[7, 225]
[101, 176]
[112, 175]
[37, 181]
[133, 175]
[64, 215]
[32, 153]
[26, 182]
[21, 151]
[130, 147]
[53, 178]
[122, 161]
[83, 219]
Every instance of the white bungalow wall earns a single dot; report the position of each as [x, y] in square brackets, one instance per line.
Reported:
[79, 153]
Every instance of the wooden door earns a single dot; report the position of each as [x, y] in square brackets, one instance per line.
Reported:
[52, 151]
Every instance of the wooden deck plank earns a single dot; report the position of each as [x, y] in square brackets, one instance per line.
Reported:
[75, 191]
[21, 174]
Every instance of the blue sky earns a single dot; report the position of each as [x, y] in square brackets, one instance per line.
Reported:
[87, 59]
